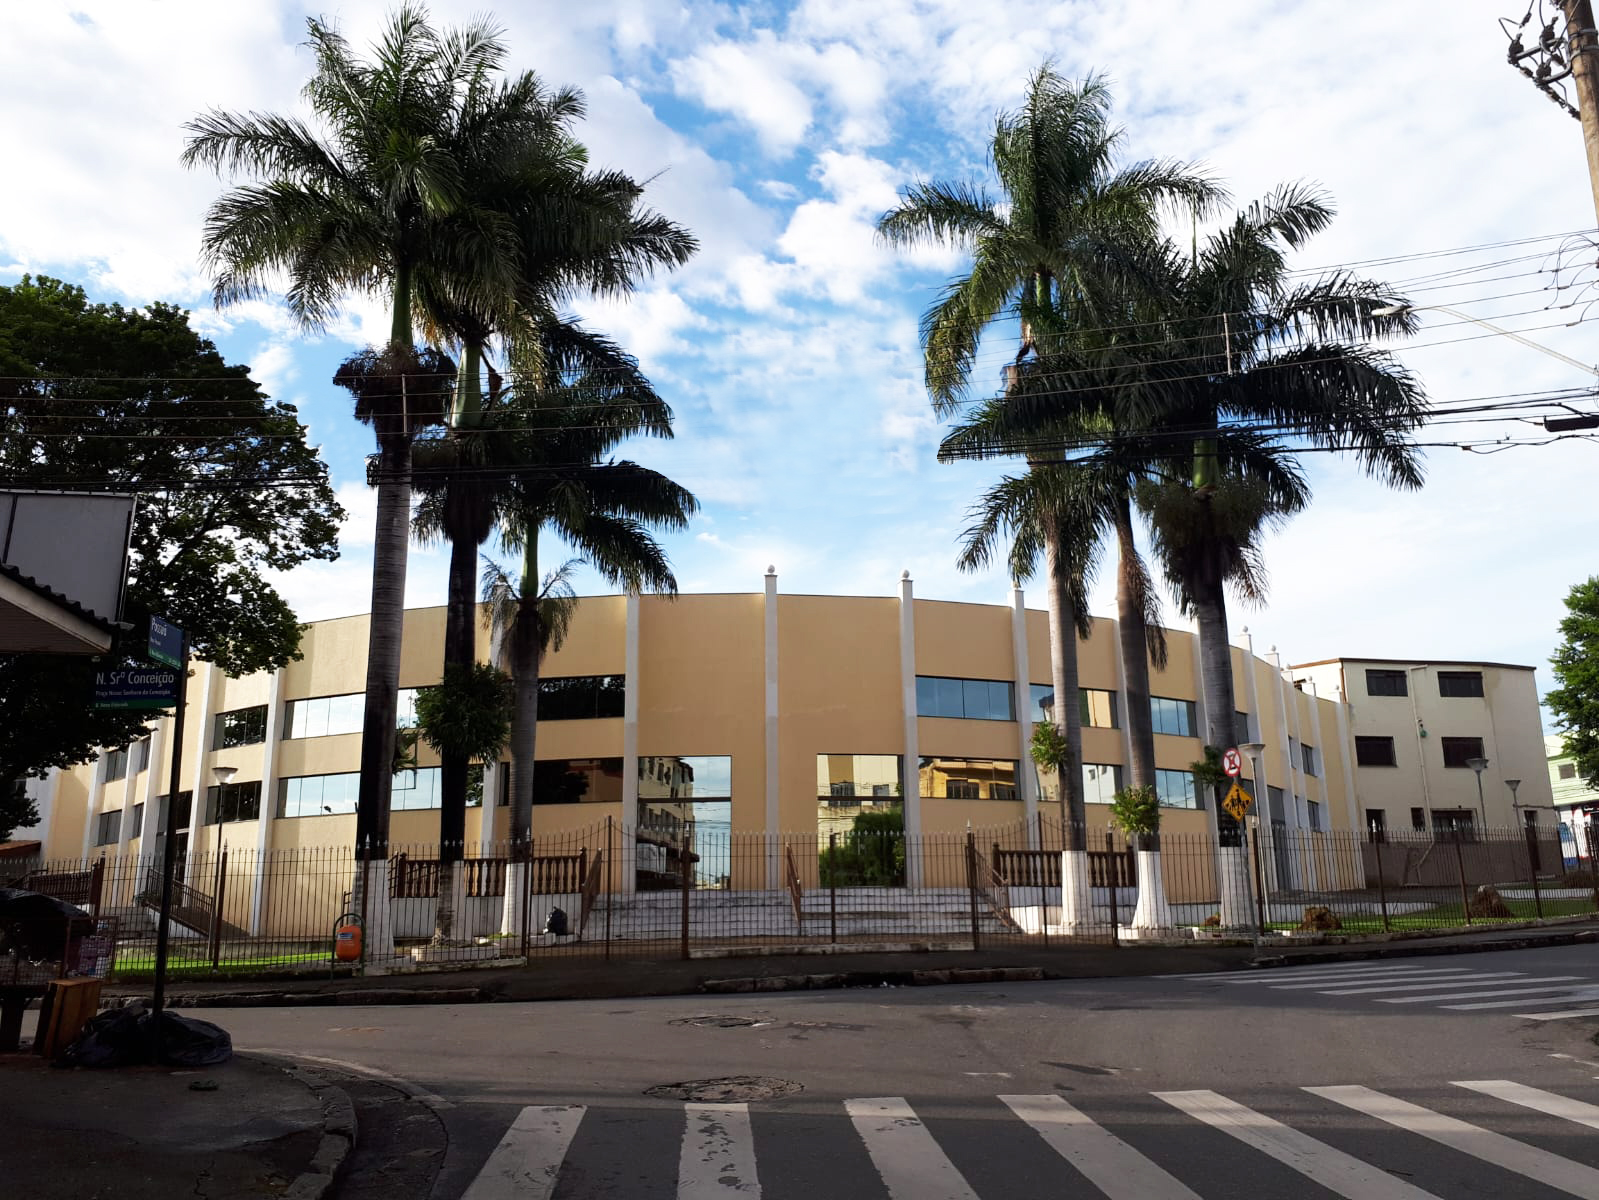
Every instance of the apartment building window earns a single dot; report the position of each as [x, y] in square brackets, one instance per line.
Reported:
[141, 755]
[1568, 770]
[116, 765]
[318, 795]
[582, 697]
[1241, 728]
[1313, 808]
[949, 778]
[1101, 782]
[137, 827]
[1175, 717]
[579, 780]
[845, 775]
[1176, 789]
[108, 828]
[240, 727]
[973, 699]
[1418, 820]
[1096, 706]
[685, 777]
[1458, 749]
[1375, 752]
[233, 802]
[1307, 759]
[1457, 823]
[185, 803]
[1387, 683]
[1460, 683]
[326, 716]
[1377, 824]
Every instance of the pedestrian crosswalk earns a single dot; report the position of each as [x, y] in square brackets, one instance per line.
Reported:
[1498, 1137]
[1456, 989]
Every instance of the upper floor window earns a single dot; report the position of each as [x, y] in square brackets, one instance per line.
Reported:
[1096, 707]
[141, 755]
[1241, 729]
[685, 777]
[116, 764]
[1307, 759]
[967, 778]
[857, 775]
[108, 828]
[1172, 716]
[1568, 770]
[318, 795]
[1386, 683]
[1313, 811]
[240, 727]
[974, 699]
[1375, 752]
[233, 802]
[574, 780]
[579, 697]
[1460, 683]
[324, 716]
[1457, 750]
[1176, 789]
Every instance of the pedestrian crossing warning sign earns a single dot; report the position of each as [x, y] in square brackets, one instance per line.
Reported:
[1237, 802]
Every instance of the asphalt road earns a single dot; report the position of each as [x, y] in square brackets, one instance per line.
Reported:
[1395, 1079]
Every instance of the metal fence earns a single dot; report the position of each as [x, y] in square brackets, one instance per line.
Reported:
[613, 889]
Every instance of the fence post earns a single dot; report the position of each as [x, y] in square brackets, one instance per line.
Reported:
[524, 902]
[1036, 874]
[1531, 835]
[1460, 869]
[610, 861]
[1260, 882]
[216, 908]
[1113, 877]
[686, 867]
[1382, 883]
[832, 887]
[971, 889]
[1593, 863]
[366, 890]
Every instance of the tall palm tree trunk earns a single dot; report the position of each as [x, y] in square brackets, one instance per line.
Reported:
[525, 661]
[460, 649]
[1216, 682]
[1063, 619]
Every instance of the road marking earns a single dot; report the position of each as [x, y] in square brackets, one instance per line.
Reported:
[1528, 1161]
[1109, 1163]
[1394, 979]
[1332, 1168]
[1516, 991]
[1280, 973]
[1498, 977]
[525, 1164]
[718, 1157]
[1561, 1016]
[908, 1160]
[1535, 1099]
[1588, 993]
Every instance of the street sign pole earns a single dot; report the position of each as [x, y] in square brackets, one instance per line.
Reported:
[169, 846]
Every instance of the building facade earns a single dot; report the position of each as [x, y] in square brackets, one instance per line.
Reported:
[1440, 746]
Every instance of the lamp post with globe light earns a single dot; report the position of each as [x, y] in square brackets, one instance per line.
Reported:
[1479, 765]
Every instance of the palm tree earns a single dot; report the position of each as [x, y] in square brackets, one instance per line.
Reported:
[1038, 250]
[374, 199]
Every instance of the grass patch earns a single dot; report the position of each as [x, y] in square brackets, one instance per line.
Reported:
[1446, 916]
[144, 964]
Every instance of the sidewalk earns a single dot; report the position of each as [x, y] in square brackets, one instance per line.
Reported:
[145, 1133]
[574, 977]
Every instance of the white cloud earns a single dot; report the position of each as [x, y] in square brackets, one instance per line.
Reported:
[749, 82]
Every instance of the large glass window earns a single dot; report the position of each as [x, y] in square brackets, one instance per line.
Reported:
[685, 777]
[577, 780]
[233, 802]
[857, 775]
[1101, 782]
[185, 802]
[943, 778]
[1386, 683]
[240, 727]
[1175, 717]
[580, 697]
[979, 699]
[1096, 706]
[318, 795]
[1460, 683]
[324, 716]
[1176, 789]
[1458, 749]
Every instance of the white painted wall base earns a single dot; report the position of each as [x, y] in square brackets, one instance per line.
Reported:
[1152, 912]
[1076, 910]
[378, 934]
[511, 907]
[1232, 880]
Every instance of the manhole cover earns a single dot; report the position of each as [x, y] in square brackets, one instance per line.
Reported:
[728, 1090]
[715, 1022]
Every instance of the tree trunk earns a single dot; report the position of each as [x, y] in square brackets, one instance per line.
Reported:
[1134, 639]
[1216, 678]
[460, 650]
[1063, 678]
[525, 644]
[444, 909]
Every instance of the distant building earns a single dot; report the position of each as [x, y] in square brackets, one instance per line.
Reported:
[1575, 801]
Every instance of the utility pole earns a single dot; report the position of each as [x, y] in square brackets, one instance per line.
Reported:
[1582, 46]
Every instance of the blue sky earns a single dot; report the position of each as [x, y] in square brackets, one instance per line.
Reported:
[788, 348]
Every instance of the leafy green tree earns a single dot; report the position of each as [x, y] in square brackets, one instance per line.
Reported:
[16, 810]
[374, 198]
[133, 400]
[1575, 703]
[1064, 211]
[871, 853]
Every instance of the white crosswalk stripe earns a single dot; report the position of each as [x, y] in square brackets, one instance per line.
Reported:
[1490, 1147]
[1561, 1016]
[718, 1157]
[1551, 990]
[907, 1158]
[1560, 998]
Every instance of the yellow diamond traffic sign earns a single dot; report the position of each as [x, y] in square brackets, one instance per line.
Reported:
[1237, 802]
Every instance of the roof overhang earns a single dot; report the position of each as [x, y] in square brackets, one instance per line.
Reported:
[32, 622]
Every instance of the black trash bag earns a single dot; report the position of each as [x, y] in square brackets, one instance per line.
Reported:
[121, 1038]
[557, 923]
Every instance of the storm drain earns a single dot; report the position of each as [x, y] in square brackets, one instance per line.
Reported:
[716, 1022]
[731, 1089]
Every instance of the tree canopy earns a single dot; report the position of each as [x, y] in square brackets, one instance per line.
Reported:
[134, 400]
[1575, 703]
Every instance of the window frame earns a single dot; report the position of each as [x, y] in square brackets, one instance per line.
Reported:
[1390, 675]
[251, 713]
[243, 794]
[968, 688]
[1164, 777]
[1187, 709]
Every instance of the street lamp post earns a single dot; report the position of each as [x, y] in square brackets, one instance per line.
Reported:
[1254, 750]
[1515, 805]
[223, 776]
[1479, 765]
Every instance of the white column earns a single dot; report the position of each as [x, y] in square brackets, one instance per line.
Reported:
[909, 776]
[491, 770]
[1344, 743]
[1027, 777]
[45, 793]
[96, 802]
[770, 776]
[125, 825]
[269, 797]
[152, 789]
[1252, 691]
[630, 707]
[201, 718]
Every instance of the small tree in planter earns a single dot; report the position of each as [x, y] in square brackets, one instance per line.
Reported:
[1052, 752]
[1136, 812]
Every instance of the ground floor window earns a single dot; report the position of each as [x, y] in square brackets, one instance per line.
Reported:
[233, 802]
[1176, 789]
[946, 778]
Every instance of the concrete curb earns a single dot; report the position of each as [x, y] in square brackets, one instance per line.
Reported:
[338, 1131]
[848, 979]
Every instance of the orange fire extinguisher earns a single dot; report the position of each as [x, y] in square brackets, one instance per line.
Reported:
[347, 938]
